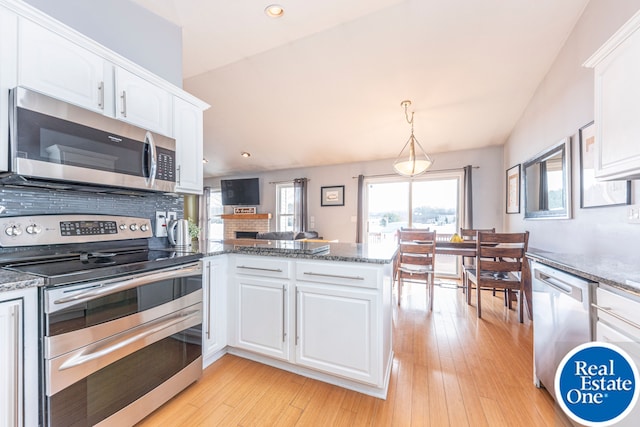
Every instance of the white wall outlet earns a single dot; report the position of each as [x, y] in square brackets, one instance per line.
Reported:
[161, 224]
[633, 214]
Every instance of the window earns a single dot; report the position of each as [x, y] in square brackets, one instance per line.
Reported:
[285, 211]
[432, 201]
[216, 226]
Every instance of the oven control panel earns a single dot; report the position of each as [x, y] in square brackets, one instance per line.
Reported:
[70, 228]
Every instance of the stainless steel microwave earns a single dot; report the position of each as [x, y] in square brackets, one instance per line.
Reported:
[56, 143]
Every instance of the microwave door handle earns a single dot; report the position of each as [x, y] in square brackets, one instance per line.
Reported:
[151, 159]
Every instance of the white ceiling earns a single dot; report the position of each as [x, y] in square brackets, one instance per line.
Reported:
[323, 84]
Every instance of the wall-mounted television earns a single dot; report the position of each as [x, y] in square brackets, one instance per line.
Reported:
[240, 192]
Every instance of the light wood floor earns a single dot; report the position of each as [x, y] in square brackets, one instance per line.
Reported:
[450, 369]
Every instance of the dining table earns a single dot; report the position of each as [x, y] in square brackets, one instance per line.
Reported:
[468, 249]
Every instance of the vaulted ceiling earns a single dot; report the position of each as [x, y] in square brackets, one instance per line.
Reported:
[323, 83]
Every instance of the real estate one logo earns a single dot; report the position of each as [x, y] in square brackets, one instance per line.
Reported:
[596, 384]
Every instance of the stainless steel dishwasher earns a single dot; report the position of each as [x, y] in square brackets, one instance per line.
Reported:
[561, 319]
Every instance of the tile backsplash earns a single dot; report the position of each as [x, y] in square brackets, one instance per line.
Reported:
[36, 201]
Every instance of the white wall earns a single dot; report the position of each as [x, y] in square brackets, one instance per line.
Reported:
[126, 28]
[335, 222]
[563, 103]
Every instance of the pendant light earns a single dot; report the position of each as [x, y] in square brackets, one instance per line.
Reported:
[412, 160]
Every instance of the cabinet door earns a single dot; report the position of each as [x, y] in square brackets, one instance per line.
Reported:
[262, 317]
[337, 332]
[10, 363]
[142, 103]
[214, 322]
[8, 77]
[51, 64]
[188, 134]
[617, 101]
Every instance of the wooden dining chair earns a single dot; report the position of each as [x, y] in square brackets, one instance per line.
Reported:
[500, 259]
[417, 258]
[468, 263]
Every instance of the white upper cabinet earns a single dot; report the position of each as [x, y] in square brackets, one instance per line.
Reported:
[8, 78]
[142, 103]
[617, 104]
[188, 134]
[54, 65]
[51, 64]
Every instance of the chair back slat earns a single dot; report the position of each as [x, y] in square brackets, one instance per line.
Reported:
[472, 233]
[500, 266]
[413, 235]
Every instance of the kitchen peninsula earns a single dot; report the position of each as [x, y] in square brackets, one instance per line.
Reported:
[320, 310]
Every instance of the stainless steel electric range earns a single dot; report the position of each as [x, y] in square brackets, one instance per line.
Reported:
[120, 324]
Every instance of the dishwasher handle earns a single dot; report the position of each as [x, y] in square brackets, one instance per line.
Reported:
[560, 285]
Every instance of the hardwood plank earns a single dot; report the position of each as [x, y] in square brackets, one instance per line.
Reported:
[450, 369]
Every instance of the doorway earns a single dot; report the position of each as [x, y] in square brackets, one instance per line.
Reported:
[432, 201]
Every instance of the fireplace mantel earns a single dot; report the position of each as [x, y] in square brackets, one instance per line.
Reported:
[246, 216]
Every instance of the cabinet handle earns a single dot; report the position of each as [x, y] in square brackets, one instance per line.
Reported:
[284, 302]
[101, 95]
[124, 103]
[16, 355]
[273, 270]
[209, 301]
[296, 331]
[178, 174]
[335, 276]
[616, 315]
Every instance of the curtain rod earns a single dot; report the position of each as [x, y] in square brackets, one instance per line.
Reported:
[429, 171]
[284, 182]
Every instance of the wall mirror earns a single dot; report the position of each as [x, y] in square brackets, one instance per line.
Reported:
[547, 183]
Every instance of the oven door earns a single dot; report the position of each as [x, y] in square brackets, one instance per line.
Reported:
[115, 351]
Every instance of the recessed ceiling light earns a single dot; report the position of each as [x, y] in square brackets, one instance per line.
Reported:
[245, 154]
[274, 11]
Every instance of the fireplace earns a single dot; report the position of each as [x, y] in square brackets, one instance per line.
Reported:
[246, 234]
[252, 223]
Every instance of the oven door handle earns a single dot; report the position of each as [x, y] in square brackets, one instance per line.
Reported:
[111, 287]
[120, 342]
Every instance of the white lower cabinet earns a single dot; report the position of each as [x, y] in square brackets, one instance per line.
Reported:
[18, 358]
[336, 331]
[327, 320]
[214, 321]
[262, 316]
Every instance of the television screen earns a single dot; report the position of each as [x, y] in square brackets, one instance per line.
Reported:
[240, 192]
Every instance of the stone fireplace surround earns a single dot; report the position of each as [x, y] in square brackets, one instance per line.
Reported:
[245, 222]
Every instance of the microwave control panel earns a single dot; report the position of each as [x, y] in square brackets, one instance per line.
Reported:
[166, 166]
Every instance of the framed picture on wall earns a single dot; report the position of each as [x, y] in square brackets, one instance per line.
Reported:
[332, 196]
[594, 193]
[513, 190]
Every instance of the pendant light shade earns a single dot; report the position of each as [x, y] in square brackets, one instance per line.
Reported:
[412, 160]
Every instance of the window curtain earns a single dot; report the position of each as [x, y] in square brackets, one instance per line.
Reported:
[360, 213]
[468, 197]
[301, 208]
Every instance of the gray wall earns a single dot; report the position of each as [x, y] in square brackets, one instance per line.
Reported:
[126, 28]
[337, 222]
[563, 103]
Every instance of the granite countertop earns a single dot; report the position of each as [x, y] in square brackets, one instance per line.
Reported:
[345, 252]
[619, 272]
[11, 280]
